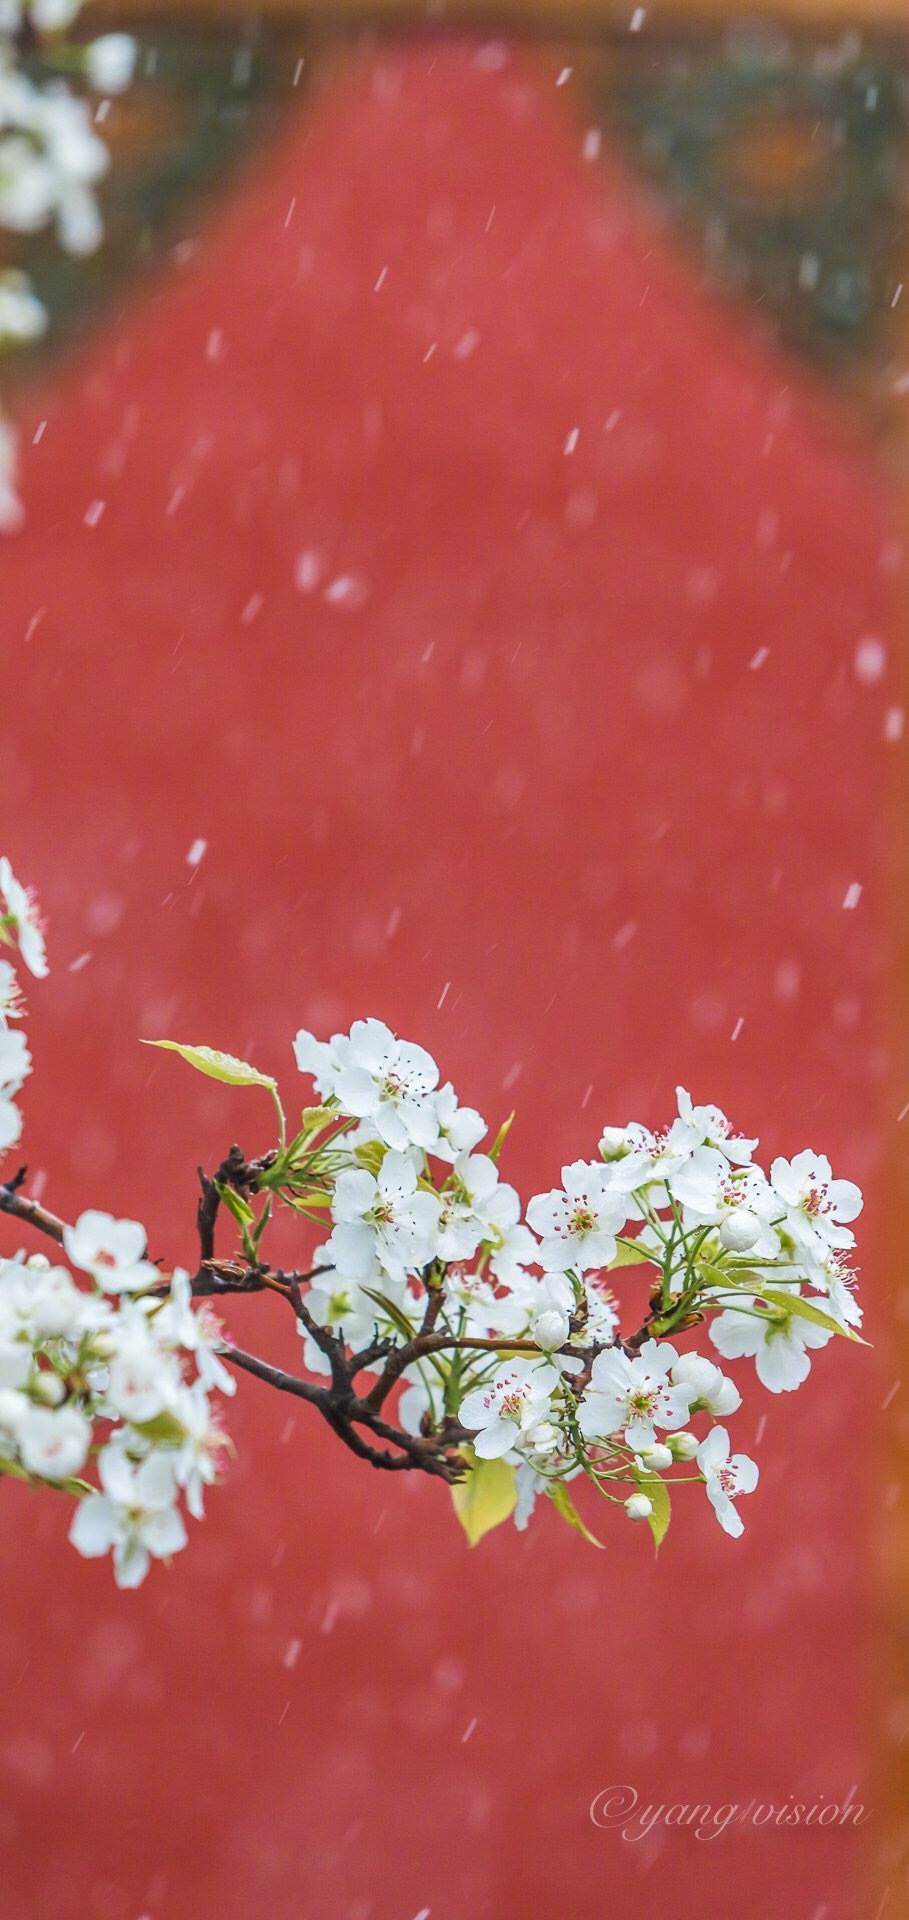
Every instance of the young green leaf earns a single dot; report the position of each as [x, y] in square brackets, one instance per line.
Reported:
[485, 1497]
[806, 1310]
[563, 1503]
[720, 1277]
[235, 1204]
[629, 1254]
[219, 1066]
[392, 1312]
[501, 1137]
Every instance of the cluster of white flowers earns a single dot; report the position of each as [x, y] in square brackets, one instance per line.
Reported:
[51, 160]
[761, 1260]
[493, 1335]
[113, 1366]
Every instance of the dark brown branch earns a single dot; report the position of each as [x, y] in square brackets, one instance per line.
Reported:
[343, 1414]
[21, 1208]
[276, 1377]
[206, 1215]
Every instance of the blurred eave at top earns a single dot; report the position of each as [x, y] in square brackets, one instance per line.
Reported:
[555, 16]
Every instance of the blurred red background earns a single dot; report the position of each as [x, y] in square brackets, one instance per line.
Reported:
[430, 545]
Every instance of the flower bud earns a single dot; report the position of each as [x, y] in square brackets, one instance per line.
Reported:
[656, 1458]
[639, 1507]
[543, 1437]
[38, 1263]
[613, 1144]
[683, 1446]
[550, 1329]
[740, 1230]
[104, 1346]
[48, 1388]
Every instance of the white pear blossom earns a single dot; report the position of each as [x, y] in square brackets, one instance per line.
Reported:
[509, 1245]
[460, 1128]
[45, 1301]
[726, 1478]
[712, 1391]
[15, 1362]
[709, 1127]
[136, 1515]
[578, 1222]
[20, 911]
[815, 1206]
[15, 1062]
[197, 1332]
[10, 1124]
[385, 1218]
[141, 1384]
[634, 1396]
[54, 1441]
[112, 1251]
[834, 1278]
[741, 1203]
[14, 1407]
[486, 1311]
[197, 1460]
[374, 1076]
[597, 1314]
[777, 1340]
[511, 1408]
[636, 1158]
[12, 1003]
[463, 1216]
[527, 1484]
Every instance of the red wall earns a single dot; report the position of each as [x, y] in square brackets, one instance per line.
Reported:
[531, 757]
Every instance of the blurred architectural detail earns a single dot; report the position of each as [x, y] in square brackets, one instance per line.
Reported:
[776, 149]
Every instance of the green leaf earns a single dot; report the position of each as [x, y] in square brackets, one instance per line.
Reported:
[630, 1254]
[718, 1277]
[563, 1503]
[392, 1312]
[485, 1497]
[658, 1494]
[370, 1155]
[235, 1204]
[219, 1066]
[806, 1310]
